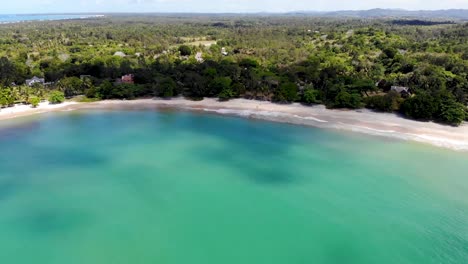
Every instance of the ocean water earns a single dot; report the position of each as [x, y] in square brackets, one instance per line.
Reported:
[178, 187]
[21, 18]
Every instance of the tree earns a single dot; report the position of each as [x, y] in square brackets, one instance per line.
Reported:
[34, 101]
[248, 63]
[7, 72]
[451, 112]
[238, 88]
[362, 86]
[390, 52]
[166, 87]
[226, 94]
[421, 106]
[7, 97]
[347, 100]
[219, 84]
[72, 86]
[287, 92]
[185, 50]
[92, 93]
[310, 96]
[385, 103]
[3, 98]
[195, 85]
[56, 97]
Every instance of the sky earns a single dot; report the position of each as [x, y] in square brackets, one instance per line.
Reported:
[213, 6]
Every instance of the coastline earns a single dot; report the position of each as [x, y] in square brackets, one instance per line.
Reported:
[362, 121]
[26, 110]
[63, 17]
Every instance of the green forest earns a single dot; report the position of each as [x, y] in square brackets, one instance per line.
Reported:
[415, 68]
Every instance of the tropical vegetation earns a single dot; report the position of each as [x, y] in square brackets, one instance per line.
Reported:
[338, 62]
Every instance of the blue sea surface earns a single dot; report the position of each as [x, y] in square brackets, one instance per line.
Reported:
[22, 18]
[172, 187]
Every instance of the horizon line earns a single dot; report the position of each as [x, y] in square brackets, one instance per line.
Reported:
[239, 12]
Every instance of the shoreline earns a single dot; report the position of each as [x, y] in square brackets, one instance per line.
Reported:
[79, 17]
[21, 110]
[362, 121]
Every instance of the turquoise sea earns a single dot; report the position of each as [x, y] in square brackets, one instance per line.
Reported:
[176, 187]
[21, 18]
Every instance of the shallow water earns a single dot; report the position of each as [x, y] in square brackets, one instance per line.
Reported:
[177, 187]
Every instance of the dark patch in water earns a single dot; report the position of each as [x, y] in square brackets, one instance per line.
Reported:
[7, 189]
[343, 252]
[73, 157]
[49, 158]
[50, 221]
[267, 145]
[18, 131]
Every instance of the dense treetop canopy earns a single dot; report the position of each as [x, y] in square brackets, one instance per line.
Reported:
[342, 63]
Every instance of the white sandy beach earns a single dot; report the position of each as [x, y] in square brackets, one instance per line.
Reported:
[21, 110]
[363, 121]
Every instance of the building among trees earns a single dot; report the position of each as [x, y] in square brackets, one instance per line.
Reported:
[129, 78]
[34, 80]
[403, 91]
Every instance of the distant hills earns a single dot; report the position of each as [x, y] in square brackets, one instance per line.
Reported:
[461, 14]
[446, 14]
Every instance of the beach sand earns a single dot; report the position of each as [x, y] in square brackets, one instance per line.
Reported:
[363, 121]
[21, 110]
